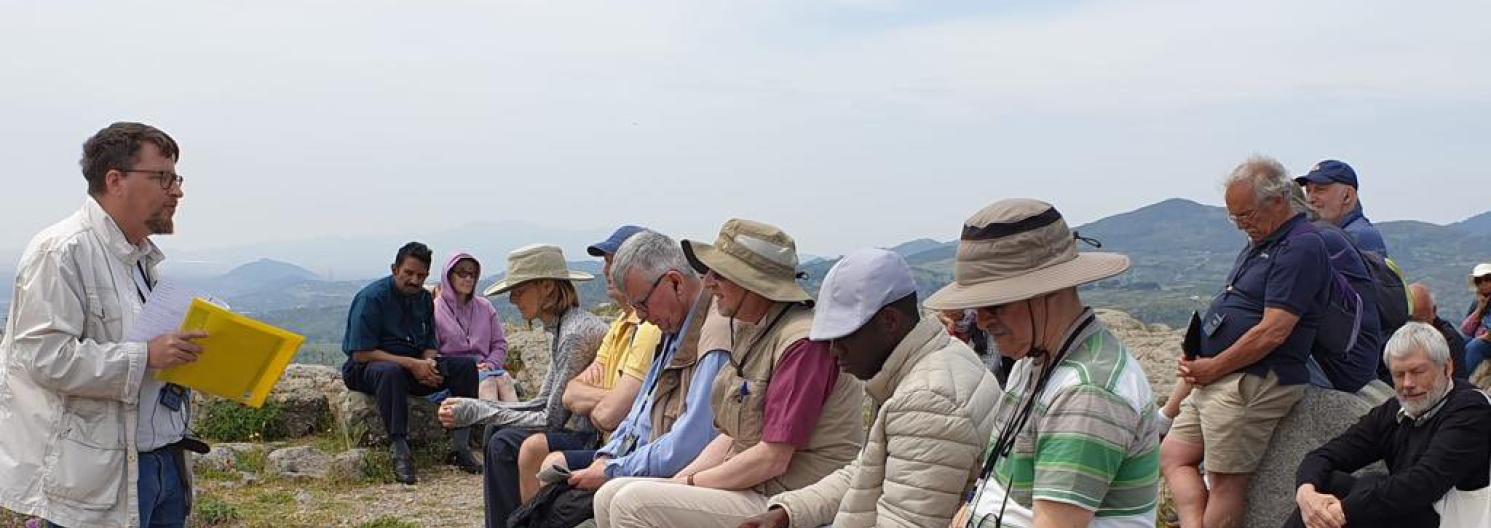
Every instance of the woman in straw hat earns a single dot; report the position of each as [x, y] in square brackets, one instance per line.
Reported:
[541, 286]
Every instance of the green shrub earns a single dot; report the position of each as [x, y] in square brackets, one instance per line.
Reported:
[212, 511]
[387, 522]
[252, 461]
[227, 421]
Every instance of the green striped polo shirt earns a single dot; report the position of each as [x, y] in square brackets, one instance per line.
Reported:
[1091, 440]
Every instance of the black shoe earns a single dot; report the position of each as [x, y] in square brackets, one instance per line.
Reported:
[403, 470]
[463, 459]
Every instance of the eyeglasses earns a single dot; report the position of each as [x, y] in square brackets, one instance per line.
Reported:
[166, 178]
[641, 306]
[1247, 217]
[465, 274]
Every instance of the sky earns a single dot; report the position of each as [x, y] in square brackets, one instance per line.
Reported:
[847, 123]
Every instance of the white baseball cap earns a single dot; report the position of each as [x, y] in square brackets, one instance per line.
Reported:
[856, 287]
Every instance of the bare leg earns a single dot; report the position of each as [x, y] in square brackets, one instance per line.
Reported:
[530, 461]
[488, 390]
[1229, 497]
[505, 390]
[1179, 462]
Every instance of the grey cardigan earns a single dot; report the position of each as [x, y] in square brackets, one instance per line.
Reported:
[577, 336]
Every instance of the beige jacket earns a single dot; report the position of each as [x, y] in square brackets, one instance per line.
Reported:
[924, 449]
[68, 386]
[741, 413]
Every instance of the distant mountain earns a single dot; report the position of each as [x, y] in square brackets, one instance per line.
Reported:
[364, 257]
[1476, 225]
[919, 245]
[260, 275]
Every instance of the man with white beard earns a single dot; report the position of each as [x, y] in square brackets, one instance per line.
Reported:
[1432, 437]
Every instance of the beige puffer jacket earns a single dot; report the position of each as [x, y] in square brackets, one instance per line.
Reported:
[923, 451]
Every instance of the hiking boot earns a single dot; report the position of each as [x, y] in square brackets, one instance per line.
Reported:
[403, 469]
[463, 459]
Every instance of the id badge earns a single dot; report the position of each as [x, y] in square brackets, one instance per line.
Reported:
[172, 396]
[1213, 323]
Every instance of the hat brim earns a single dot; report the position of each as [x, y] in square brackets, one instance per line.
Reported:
[596, 251]
[506, 285]
[1085, 269]
[705, 257]
[1314, 178]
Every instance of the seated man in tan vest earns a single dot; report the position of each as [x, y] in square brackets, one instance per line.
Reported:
[786, 417]
[936, 405]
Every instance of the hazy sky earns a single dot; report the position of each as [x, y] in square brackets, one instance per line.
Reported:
[848, 123]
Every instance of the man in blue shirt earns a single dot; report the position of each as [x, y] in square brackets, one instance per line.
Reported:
[1332, 188]
[671, 420]
[1256, 338]
[392, 354]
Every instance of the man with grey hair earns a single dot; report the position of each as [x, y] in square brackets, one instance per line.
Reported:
[1255, 340]
[670, 420]
[1426, 311]
[1432, 438]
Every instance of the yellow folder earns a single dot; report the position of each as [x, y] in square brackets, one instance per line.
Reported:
[241, 358]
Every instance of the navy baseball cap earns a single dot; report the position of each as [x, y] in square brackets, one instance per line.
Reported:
[613, 243]
[1329, 171]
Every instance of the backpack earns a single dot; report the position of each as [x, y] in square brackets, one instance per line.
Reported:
[1390, 288]
[1341, 321]
[556, 506]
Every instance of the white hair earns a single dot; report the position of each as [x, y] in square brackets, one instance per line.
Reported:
[1266, 176]
[650, 253]
[1413, 338]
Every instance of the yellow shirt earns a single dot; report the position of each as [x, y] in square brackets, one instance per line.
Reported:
[627, 349]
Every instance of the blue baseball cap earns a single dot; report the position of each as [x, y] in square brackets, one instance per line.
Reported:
[613, 243]
[1329, 171]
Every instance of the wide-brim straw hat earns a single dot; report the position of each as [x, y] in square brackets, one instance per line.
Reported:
[758, 257]
[1019, 249]
[539, 261]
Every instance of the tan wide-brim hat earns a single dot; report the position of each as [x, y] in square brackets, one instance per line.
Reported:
[1018, 249]
[756, 256]
[539, 261]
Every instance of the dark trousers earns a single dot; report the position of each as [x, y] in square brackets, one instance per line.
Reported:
[392, 385]
[1340, 486]
[500, 472]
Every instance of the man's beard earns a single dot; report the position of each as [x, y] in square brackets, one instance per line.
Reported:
[1417, 409]
[160, 223]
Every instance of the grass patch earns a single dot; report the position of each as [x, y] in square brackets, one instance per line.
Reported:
[213, 474]
[379, 468]
[253, 461]
[277, 498]
[212, 511]
[387, 522]
[227, 421]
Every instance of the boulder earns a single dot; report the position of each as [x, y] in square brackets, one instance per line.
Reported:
[350, 466]
[358, 414]
[224, 457]
[1320, 416]
[1156, 347]
[299, 462]
[528, 360]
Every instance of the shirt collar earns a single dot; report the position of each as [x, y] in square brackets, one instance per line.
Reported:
[102, 223]
[1283, 230]
[1354, 216]
[884, 383]
[1429, 414]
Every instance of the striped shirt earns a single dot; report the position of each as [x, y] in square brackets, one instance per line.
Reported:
[1091, 440]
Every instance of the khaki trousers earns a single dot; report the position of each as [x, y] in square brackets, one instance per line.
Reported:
[646, 502]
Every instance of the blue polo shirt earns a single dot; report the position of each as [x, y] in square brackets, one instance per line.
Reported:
[1363, 233]
[384, 319]
[1289, 270]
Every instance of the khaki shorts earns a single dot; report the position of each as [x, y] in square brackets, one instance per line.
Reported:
[1234, 418]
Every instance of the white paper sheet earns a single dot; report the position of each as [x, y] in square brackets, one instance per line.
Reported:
[165, 308]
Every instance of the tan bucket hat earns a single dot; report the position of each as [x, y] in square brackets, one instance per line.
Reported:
[758, 257]
[539, 261]
[1018, 249]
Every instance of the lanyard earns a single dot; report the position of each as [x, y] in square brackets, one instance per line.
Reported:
[143, 284]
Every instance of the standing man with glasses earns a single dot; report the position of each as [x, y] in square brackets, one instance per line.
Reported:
[91, 439]
[1256, 338]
